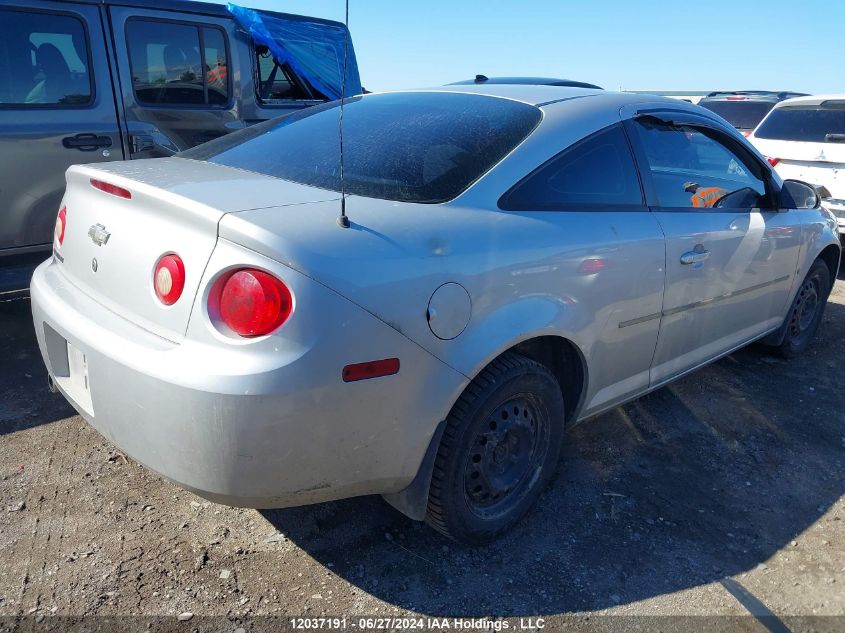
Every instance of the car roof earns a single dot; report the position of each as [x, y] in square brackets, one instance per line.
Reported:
[812, 100]
[192, 6]
[538, 81]
[541, 95]
[751, 95]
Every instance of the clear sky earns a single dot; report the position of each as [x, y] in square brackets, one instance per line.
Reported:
[627, 44]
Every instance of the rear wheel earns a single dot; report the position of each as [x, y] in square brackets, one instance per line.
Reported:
[500, 447]
[805, 313]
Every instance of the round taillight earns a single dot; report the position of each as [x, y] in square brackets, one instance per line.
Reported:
[254, 303]
[61, 223]
[169, 279]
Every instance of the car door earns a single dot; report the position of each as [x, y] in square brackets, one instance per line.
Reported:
[177, 90]
[604, 258]
[730, 253]
[56, 109]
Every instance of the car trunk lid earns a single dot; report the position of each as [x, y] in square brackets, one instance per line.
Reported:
[112, 243]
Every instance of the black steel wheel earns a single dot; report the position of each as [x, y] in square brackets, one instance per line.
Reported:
[805, 313]
[500, 447]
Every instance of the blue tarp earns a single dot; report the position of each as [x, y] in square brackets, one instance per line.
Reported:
[313, 50]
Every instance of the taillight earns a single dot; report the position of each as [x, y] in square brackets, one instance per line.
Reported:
[592, 265]
[772, 161]
[169, 279]
[61, 224]
[114, 190]
[254, 303]
[746, 133]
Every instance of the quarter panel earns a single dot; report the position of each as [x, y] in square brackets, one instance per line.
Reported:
[523, 272]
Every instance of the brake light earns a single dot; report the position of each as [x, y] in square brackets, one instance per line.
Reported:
[254, 303]
[772, 161]
[735, 99]
[169, 279]
[114, 190]
[61, 223]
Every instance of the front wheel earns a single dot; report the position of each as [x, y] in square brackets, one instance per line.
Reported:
[805, 313]
[500, 447]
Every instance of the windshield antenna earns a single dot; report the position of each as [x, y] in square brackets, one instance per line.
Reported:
[343, 220]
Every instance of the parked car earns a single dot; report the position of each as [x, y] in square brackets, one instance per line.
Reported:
[103, 80]
[744, 109]
[525, 81]
[516, 260]
[805, 138]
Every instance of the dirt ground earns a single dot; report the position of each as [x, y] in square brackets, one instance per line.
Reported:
[719, 495]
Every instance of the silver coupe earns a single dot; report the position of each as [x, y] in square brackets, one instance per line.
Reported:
[508, 260]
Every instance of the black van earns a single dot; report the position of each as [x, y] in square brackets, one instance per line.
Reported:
[99, 80]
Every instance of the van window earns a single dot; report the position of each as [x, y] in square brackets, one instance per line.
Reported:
[178, 64]
[44, 60]
[598, 171]
[276, 83]
[691, 168]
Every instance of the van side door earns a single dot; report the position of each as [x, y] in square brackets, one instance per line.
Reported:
[56, 109]
[177, 85]
[731, 254]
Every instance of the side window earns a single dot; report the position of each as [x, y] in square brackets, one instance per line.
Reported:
[44, 60]
[276, 84]
[216, 66]
[691, 168]
[177, 64]
[598, 171]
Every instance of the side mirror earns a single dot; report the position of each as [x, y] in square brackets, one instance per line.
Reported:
[745, 198]
[799, 195]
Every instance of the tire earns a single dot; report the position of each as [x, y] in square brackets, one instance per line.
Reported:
[499, 449]
[805, 313]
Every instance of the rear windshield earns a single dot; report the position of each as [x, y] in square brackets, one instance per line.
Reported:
[744, 115]
[409, 147]
[815, 124]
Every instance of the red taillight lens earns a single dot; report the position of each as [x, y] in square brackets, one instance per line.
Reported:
[114, 190]
[254, 303]
[592, 265]
[772, 161]
[169, 279]
[371, 369]
[61, 223]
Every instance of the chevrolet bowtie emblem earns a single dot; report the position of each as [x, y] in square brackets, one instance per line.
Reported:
[98, 234]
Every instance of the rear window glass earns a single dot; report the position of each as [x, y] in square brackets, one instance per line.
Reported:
[744, 115]
[410, 147]
[816, 124]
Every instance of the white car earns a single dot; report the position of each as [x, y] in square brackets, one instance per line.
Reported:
[804, 139]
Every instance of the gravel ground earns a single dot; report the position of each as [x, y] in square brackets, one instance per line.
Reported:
[719, 495]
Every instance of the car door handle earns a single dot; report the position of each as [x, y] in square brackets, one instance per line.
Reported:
[86, 142]
[694, 257]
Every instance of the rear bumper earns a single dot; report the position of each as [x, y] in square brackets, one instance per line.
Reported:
[238, 428]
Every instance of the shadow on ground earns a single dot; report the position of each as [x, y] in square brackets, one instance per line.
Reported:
[25, 400]
[701, 480]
